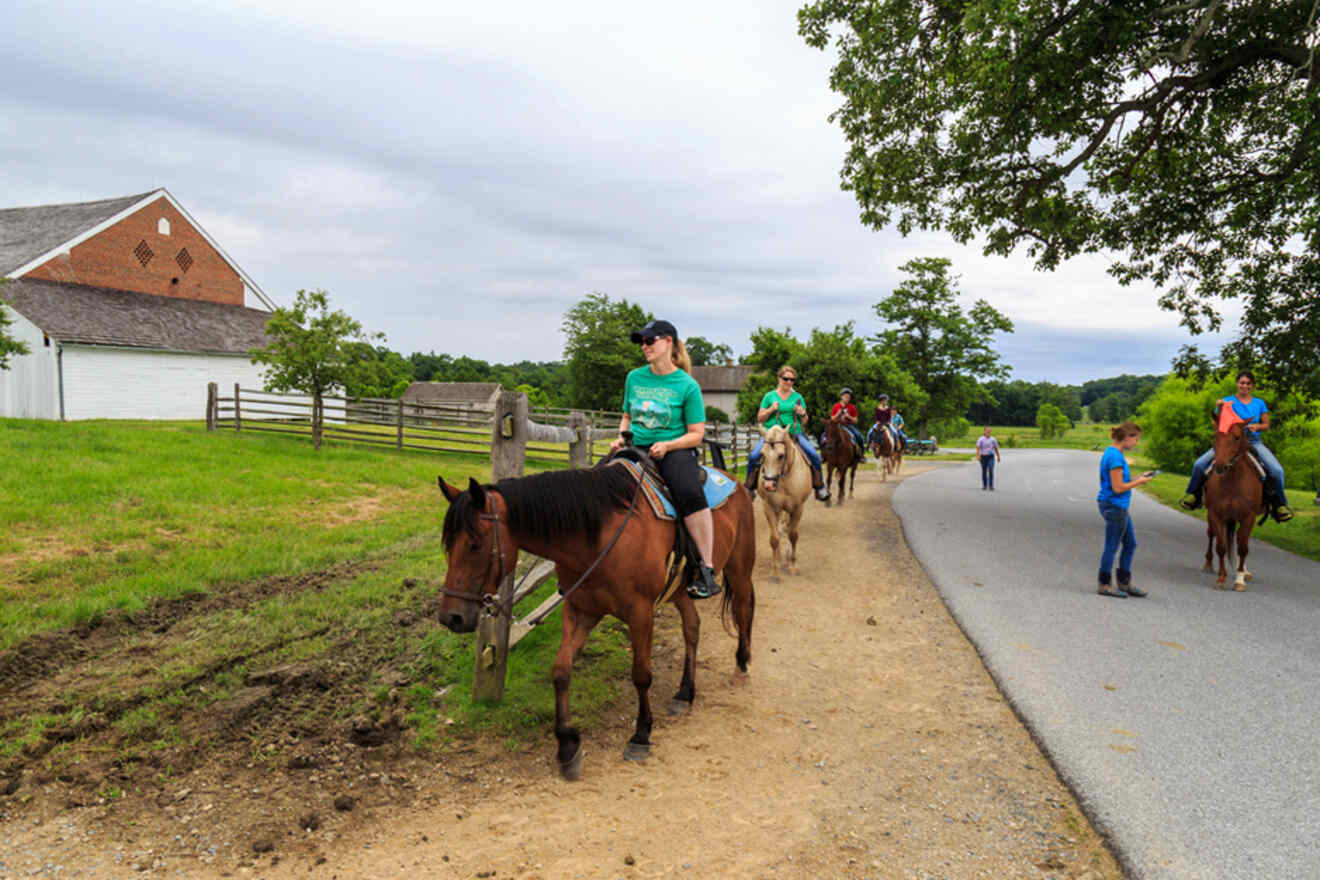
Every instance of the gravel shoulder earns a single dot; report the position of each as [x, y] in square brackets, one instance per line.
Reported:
[870, 742]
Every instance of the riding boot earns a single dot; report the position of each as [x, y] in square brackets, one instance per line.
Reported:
[1192, 500]
[818, 483]
[753, 470]
[703, 584]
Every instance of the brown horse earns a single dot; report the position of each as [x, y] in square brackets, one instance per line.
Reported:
[886, 450]
[841, 455]
[1233, 500]
[784, 485]
[567, 517]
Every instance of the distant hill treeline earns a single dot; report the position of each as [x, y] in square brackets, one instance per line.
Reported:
[1100, 400]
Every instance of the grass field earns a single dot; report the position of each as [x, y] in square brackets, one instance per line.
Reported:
[193, 561]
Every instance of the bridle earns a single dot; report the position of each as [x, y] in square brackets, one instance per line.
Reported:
[785, 459]
[490, 602]
[1239, 440]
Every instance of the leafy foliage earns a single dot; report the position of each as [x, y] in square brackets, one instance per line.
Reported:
[706, 353]
[1016, 402]
[312, 349]
[598, 353]
[1051, 421]
[8, 344]
[1184, 137]
[941, 346]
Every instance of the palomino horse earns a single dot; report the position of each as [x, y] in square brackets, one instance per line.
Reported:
[785, 486]
[1233, 499]
[841, 455]
[886, 449]
[567, 517]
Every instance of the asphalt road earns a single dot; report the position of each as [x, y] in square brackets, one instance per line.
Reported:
[1186, 722]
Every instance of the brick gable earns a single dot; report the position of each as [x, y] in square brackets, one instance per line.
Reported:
[134, 255]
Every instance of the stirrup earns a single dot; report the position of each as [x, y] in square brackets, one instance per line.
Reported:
[703, 585]
[1190, 501]
[1282, 513]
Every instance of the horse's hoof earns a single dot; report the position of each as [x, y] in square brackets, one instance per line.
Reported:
[740, 679]
[571, 769]
[636, 751]
[1239, 588]
[1220, 585]
[1249, 576]
[679, 707]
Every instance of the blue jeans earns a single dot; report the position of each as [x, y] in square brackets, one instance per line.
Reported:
[804, 443]
[987, 471]
[1118, 530]
[1273, 472]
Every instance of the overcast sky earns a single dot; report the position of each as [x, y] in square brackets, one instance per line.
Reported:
[458, 175]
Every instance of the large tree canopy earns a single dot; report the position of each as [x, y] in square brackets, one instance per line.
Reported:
[1183, 138]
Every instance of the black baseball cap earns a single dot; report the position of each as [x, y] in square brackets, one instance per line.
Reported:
[654, 328]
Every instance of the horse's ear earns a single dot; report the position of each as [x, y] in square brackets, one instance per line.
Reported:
[477, 494]
[450, 492]
[760, 426]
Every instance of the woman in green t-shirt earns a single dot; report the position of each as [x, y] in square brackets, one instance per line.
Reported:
[663, 408]
[784, 406]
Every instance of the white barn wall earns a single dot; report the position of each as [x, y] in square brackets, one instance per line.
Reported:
[30, 388]
[124, 383]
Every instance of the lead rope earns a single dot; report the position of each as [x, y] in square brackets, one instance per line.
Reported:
[543, 613]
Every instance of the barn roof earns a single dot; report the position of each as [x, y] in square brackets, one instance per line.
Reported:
[725, 378]
[450, 392]
[31, 236]
[99, 316]
[27, 233]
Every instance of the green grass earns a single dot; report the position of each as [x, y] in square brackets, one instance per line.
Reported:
[1084, 436]
[106, 517]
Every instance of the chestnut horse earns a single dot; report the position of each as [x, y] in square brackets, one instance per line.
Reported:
[568, 517]
[840, 455]
[784, 485]
[1233, 500]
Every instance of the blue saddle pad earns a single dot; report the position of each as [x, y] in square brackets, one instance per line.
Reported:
[718, 488]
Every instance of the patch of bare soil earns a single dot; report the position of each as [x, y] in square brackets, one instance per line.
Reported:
[870, 742]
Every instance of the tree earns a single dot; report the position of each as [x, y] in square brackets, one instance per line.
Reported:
[375, 371]
[311, 350]
[941, 346]
[706, 353]
[1184, 137]
[598, 352]
[8, 344]
[1051, 421]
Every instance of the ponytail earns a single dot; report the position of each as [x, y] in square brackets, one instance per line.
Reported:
[679, 355]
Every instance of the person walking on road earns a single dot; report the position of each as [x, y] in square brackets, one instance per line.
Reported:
[1115, 497]
[987, 448]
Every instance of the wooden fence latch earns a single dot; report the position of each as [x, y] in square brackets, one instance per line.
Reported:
[506, 427]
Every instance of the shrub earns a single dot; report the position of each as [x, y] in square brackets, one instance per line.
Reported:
[1051, 421]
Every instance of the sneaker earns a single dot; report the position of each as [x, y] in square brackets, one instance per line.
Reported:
[703, 586]
[1190, 501]
[1133, 591]
[1282, 513]
[822, 494]
[1106, 590]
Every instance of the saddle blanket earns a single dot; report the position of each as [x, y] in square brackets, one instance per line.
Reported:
[718, 488]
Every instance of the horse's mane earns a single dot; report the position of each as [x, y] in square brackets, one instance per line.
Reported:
[551, 505]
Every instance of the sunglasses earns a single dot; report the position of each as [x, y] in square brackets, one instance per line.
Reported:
[788, 378]
[651, 340]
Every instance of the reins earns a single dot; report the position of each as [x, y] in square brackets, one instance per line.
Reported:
[490, 602]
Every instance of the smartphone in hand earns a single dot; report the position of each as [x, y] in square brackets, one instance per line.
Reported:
[1153, 473]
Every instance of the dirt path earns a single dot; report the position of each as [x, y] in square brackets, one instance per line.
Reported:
[870, 743]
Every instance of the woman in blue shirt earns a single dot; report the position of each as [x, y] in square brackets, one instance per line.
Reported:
[1252, 410]
[1115, 497]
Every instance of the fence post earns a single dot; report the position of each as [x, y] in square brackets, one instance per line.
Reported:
[399, 422]
[212, 393]
[508, 449]
[238, 417]
[579, 451]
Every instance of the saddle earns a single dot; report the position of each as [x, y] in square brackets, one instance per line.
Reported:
[717, 487]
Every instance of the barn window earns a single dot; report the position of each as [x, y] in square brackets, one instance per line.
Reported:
[163, 226]
[143, 252]
[184, 259]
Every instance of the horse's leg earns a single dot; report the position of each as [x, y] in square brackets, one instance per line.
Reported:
[1243, 542]
[681, 704]
[1209, 545]
[641, 625]
[742, 595]
[1222, 537]
[772, 521]
[793, 519]
[576, 628]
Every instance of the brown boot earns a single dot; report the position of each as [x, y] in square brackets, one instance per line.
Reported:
[818, 483]
[753, 471]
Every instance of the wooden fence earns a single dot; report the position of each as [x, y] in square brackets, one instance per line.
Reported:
[509, 434]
